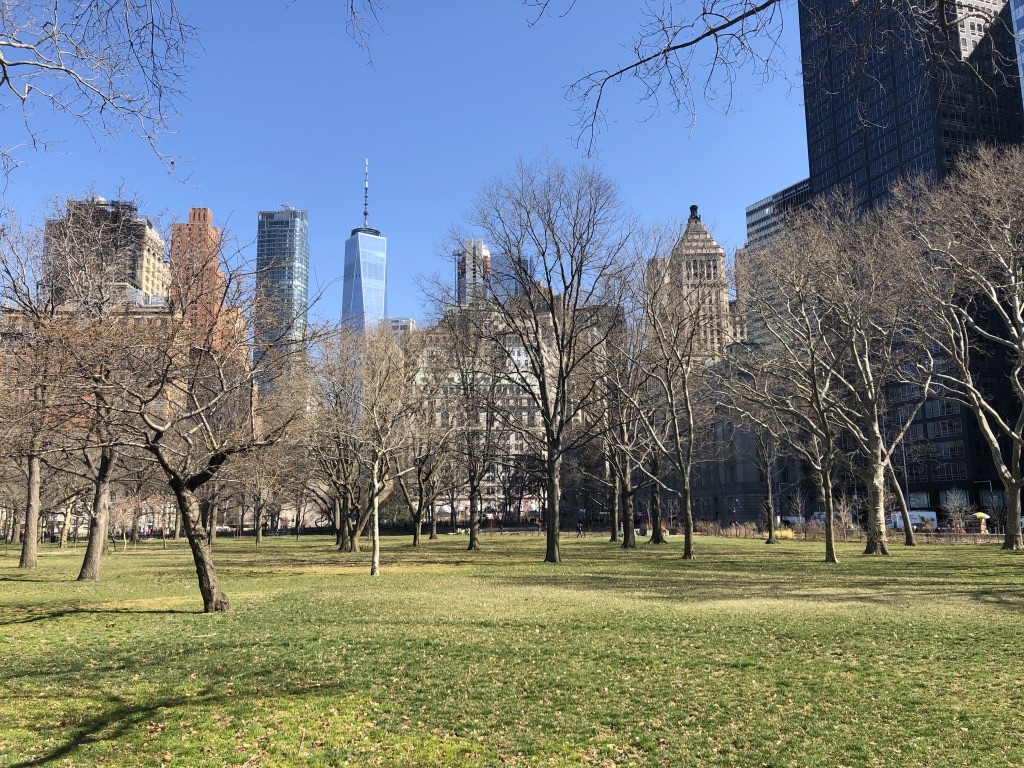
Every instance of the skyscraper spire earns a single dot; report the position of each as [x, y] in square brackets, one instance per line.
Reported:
[366, 196]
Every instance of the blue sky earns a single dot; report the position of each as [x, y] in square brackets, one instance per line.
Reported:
[282, 108]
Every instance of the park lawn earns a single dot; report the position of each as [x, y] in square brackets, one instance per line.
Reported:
[748, 656]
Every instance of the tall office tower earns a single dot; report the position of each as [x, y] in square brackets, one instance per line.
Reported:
[282, 277]
[103, 245]
[364, 299]
[882, 100]
[198, 285]
[696, 267]
[472, 271]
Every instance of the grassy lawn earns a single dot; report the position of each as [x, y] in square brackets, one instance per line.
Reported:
[747, 656]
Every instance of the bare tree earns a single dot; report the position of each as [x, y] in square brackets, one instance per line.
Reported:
[970, 232]
[333, 438]
[836, 324]
[196, 396]
[473, 407]
[382, 398]
[680, 276]
[419, 465]
[35, 367]
[558, 235]
[958, 507]
[113, 66]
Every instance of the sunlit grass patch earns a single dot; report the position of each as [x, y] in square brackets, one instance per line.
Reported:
[748, 655]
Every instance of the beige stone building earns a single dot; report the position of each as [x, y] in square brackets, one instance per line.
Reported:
[698, 294]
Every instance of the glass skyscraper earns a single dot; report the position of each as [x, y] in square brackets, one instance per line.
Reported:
[282, 277]
[1017, 12]
[364, 301]
[364, 298]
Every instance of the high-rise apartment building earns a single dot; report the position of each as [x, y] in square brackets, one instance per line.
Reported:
[198, 284]
[102, 245]
[882, 100]
[282, 276]
[472, 272]
[364, 299]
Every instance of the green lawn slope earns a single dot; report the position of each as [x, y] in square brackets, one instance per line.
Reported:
[747, 656]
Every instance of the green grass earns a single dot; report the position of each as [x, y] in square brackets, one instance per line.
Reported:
[747, 656]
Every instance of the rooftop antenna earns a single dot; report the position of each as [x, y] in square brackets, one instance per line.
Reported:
[366, 196]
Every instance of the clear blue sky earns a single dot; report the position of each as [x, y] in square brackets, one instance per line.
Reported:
[282, 108]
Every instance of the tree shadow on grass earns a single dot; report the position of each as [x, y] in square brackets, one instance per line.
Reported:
[1007, 598]
[113, 723]
[703, 587]
[31, 618]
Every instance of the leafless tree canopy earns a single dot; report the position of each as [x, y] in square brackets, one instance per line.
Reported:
[111, 65]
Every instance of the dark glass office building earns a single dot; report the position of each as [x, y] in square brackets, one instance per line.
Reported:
[882, 100]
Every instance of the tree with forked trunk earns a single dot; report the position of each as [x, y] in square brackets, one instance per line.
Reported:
[834, 325]
[968, 232]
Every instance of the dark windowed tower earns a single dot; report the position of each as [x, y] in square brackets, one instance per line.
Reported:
[882, 100]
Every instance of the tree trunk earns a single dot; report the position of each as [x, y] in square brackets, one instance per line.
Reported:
[30, 542]
[344, 530]
[474, 517]
[358, 527]
[417, 524]
[614, 493]
[657, 535]
[65, 530]
[908, 528]
[375, 530]
[1013, 540]
[628, 523]
[177, 523]
[876, 513]
[825, 482]
[433, 523]
[687, 511]
[15, 527]
[337, 522]
[99, 520]
[769, 504]
[214, 599]
[211, 522]
[552, 553]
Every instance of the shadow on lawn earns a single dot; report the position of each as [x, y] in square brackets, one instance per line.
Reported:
[1008, 599]
[65, 612]
[115, 722]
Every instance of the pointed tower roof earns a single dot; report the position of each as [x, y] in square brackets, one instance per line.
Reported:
[696, 241]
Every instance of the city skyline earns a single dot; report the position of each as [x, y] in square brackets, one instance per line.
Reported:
[236, 156]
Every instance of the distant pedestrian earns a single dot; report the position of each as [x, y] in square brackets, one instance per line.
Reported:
[579, 530]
